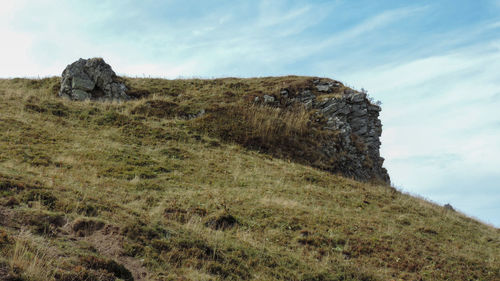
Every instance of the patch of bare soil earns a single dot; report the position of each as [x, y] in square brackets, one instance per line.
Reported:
[5, 216]
[6, 275]
[4, 271]
[108, 242]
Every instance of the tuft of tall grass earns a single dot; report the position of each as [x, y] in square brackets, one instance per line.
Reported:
[32, 257]
[268, 123]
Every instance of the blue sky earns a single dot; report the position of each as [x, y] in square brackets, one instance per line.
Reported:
[435, 65]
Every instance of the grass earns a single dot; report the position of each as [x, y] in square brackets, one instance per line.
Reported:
[114, 191]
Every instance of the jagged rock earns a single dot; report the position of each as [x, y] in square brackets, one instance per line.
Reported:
[266, 99]
[449, 207]
[92, 79]
[326, 86]
[305, 97]
[352, 115]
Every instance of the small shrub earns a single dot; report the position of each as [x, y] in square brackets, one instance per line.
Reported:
[80, 273]
[175, 153]
[132, 249]
[319, 241]
[45, 223]
[55, 108]
[222, 221]
[138, 93]
[4, 238]
[88, 209]
[85, 227]
[228, 271]
[11, 202]
[88, 113]
[449, 207]
[44, 197]
[427, 230]
[142, 233]
[38, 159]
[156, 108]
[190, 250]
[111, 266]
[183, 215]
[112, 118]
[16, 184]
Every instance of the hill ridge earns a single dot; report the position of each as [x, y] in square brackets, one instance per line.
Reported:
[172, 197]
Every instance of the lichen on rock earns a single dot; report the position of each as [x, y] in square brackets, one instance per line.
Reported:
[92, 79]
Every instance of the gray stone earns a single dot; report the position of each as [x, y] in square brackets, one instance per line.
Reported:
[330, 107]
[196, 115]
[80, 95]
[361, 131]
[284, 93]
[359, 113]
[92, 79]
[373, 107]
[323, 88]
[355, 120]
[357, 97]
[326, 85]
[449, 207]
[306, 96]
[268, 99]
[308, 104]
[82, 84]
[358, 123]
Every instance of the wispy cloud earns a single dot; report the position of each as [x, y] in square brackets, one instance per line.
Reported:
[370, 24]
[440, 121]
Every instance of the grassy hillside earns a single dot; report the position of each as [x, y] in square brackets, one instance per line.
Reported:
[142, 191]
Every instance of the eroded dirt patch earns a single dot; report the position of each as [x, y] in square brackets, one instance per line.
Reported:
[109, 244]
[86, 227]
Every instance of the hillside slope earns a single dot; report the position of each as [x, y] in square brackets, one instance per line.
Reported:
[156, 189]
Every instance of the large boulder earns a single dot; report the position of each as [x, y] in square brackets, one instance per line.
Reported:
[92, 79]
[354, 151]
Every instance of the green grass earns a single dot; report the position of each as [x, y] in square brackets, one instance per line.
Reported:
[111, 191]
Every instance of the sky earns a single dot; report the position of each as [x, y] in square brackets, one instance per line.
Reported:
[434, 65]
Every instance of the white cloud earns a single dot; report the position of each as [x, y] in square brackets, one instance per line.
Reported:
[494, 25]
[370, 24]
[273, 13]
[440, 119]
[15, 55]
[210, 45]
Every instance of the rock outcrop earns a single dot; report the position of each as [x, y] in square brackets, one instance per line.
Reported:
[354, 151]
[92, 79]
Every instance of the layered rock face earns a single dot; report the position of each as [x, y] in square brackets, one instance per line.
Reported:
[354, 118]
[91, 79]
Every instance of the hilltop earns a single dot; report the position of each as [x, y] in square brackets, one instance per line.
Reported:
[211, 180]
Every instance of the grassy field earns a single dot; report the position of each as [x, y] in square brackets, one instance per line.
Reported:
[142, 190]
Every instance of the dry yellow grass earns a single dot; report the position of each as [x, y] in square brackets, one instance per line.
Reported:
[269, 122]
[180, 203]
